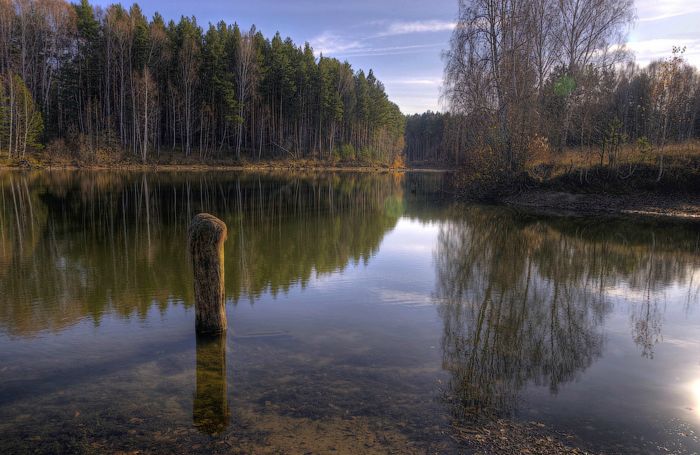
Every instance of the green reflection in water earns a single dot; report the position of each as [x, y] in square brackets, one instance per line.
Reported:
[80, 245]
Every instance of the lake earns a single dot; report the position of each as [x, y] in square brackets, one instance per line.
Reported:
[368, 313]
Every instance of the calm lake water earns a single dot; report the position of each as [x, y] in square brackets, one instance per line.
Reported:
[367, 314]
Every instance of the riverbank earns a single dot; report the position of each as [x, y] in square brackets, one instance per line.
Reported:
[559, 195]
[183, 165]
[570, 187]
[646, 204]
[273, 165]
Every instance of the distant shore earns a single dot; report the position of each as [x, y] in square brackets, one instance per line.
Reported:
[559, 201]
[261, 166]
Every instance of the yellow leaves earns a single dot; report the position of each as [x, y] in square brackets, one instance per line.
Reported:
[398, 162]
[23, 123]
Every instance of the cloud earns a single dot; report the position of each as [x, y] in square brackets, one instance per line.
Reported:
[655, 10]
[390, 38]
[655, 49]
[416, 101]
[436, 82]
[405, 28]
[369, 51]
[330, 43]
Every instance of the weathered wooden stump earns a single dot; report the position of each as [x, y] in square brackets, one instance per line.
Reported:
[206, 244]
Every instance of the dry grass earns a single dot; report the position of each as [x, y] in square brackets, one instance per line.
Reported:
[57, 155]
[633, 170]
[629, 156]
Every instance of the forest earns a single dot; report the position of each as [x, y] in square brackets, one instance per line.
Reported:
[108, 84]
[614, 103]
[548, 81]
[525, 84]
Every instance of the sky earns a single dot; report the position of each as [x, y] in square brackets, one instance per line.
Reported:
[403, 40]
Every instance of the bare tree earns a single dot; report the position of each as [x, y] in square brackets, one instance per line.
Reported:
[489, 71]
[668, 89]
[503, 52]
[246, 77]
[591, 34]
[545, 23]
[592, 31]
[7, 20]
[55, 26]
[146, 96]
[189, 70]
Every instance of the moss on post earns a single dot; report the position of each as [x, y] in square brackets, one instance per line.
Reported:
[206, 245]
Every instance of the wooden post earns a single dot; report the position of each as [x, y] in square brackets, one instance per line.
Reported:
[206, 244]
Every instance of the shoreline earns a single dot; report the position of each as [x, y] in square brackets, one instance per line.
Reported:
[542, 201]
[251, 167]
[648, 205]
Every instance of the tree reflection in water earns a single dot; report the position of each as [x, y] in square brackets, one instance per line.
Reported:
[79, 245]
[523, 300]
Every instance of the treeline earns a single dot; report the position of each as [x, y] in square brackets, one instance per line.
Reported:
[436, 137]
[110, 81]
[526, 76]
[614, 106]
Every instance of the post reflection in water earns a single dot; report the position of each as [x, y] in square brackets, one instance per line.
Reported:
[210, 413]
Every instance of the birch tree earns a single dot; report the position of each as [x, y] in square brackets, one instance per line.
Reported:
[246, 78]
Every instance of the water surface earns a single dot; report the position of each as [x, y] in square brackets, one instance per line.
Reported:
[368, 313]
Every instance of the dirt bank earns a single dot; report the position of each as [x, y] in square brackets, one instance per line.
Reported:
[647, 204]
